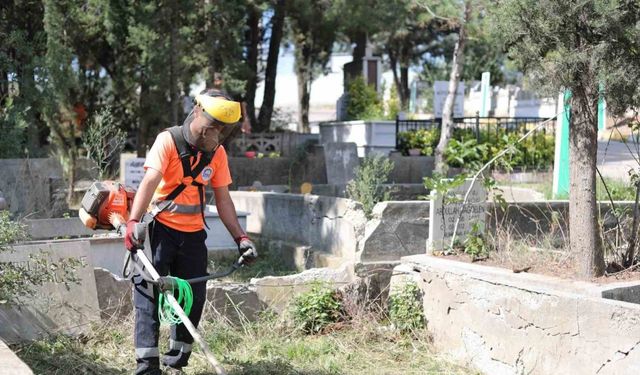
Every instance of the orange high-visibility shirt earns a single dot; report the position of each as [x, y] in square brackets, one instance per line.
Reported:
[164, 158]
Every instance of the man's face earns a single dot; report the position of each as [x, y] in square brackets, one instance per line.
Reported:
[207, 132]
[217, 82]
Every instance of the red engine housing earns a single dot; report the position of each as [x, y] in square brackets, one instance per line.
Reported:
[104, 200]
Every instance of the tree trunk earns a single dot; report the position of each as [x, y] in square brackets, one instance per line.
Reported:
[584, 232]
[403, 89]
[393, 63]
[72, 173]
[143, 122]
[446, 128]
[360, 48]
[253, 23]
[266, 109]
[304, 83]
[212, 67]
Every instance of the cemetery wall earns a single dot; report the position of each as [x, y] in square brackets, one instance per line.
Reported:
[505, 323]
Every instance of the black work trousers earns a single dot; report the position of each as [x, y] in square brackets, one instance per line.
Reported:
[179, 254]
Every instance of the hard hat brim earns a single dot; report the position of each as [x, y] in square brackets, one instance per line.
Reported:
[220, 109]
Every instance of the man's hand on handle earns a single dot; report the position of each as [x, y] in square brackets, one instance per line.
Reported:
[132, 238]
[247, 249]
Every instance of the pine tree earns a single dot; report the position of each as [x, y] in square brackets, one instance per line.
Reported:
[578, 45]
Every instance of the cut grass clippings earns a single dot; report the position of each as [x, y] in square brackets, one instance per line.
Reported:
[263, 347]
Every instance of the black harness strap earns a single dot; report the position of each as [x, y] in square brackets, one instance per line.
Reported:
[185, 152]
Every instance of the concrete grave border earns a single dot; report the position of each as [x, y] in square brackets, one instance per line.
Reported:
[505, 323]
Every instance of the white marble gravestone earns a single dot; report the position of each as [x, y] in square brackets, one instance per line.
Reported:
[444, 211]
[133, 172]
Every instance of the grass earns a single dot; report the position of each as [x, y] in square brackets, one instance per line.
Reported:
[270, 262]
[264, 347]
[620, 190]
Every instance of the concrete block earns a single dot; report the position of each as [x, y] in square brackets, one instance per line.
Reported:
[10, 364]
[276, 292]
[218, 237]
[506, 323]
[54, 307]
[41, 229]
[330, 225]
[236, 302]
[114, 295]
[396, 229]
[341, 162]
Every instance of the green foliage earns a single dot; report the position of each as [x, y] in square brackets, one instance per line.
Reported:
[405, 308]
[393, 104]
[367, 187]
[619, 190]
[443, 186]
[18, 279]
[575, 45]
[475, 244]
[363, 101]
[314, 310]
[103, 140]
[465, 151]
[13, 125]
[260, 347]
[422, 139]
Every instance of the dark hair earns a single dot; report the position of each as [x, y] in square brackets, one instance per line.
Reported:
[215, 93]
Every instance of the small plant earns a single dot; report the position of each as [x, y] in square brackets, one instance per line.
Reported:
[103, 140]
[405, 308]
[422, 139]
[314, 310]
[367, 187]
[475, 244]
[363, 101]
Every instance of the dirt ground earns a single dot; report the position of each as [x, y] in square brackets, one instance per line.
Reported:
[553, 263]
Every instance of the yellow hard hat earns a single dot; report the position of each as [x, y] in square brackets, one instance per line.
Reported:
[219, 108]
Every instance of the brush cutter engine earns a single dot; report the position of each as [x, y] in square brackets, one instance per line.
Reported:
[105, 204]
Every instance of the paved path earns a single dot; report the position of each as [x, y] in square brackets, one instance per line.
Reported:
[616, 158]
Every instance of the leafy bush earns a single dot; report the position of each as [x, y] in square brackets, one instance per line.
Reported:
[17, 280]
[422, 139]
[405, 308]
[393, 104]
[13, 124]
[465, 153]
[467, 150]
[314, 310]
[367, 187]
[364, 102]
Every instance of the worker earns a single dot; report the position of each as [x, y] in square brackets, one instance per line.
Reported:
[182, 160]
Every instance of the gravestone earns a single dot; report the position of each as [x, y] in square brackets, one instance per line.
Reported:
[444, 211]
[341, 160]
[53, 307]
[133, 172]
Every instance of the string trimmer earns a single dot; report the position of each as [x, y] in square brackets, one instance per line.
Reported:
[106, 206]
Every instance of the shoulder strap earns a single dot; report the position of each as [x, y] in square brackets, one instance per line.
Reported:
[185, 153]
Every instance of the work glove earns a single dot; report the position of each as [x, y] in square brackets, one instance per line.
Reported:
[247, 249]
[130, 241]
